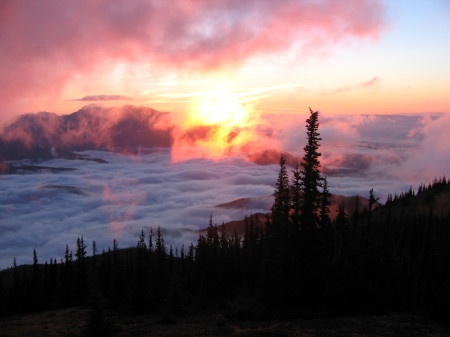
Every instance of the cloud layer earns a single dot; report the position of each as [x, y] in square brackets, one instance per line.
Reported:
[117, 199]
[102, 201]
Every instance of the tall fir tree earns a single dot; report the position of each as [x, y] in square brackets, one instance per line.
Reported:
[310, 173]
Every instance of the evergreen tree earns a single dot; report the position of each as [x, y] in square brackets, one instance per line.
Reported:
[81, 270]
[161, 249]
[311, 178]
[296, 190]
[67, 255]
[281, 205]
[35, 272]
[80, 253]
[35, 259]
[94, 249]
[15, 275]
[373, 199]
[141, 243]
[324, 204]
[150, 239]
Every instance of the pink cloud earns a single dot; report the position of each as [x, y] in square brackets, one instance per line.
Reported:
[45, 43]
[431, 159]
[370, 83]
[373, 82]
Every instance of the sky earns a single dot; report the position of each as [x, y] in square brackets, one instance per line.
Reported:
[190, 57]
[236, 79]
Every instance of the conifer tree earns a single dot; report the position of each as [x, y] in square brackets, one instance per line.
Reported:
[94, 249]
[81, 273]
[373, 199]
[324, 204]
[161, 249]
[81, 250]
[35, 272]
[141, 242]
[311, 178]
[281, 205]
[296, 189]
[35, 259]
[67, 255]
[15, 276]
[150, 239]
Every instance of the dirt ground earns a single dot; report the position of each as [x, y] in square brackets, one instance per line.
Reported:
[74, 322]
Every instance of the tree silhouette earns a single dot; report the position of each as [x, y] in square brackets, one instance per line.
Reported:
[324, 204]
[281, 205]
[310, 173]
[296, 198]
[141, 243]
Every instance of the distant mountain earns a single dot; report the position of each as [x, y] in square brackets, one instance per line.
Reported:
[249, 203]
[238, 226]
[266, 202]
[47, 135]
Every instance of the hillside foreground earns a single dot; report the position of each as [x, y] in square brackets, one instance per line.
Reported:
[72, 322]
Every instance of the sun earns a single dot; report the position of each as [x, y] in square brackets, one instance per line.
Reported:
[224, 110]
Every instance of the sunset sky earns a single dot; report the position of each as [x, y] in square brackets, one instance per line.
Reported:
[236, 79]
[192, 57]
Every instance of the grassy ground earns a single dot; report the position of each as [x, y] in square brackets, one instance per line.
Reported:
[74, 322]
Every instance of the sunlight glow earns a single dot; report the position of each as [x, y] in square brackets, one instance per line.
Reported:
[222, 110]
[220, 124]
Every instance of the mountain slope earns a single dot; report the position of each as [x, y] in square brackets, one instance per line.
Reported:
[238, 226]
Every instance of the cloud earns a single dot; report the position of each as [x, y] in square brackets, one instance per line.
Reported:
[370, 83]
[48, 43]
[93, 127]
[131, 192]
[102, 98]
[199, 133]
[432, 156]
[269, 157]
[102, 201]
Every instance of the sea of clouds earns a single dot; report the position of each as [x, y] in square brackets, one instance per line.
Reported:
[48, 210]
[102, 201]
